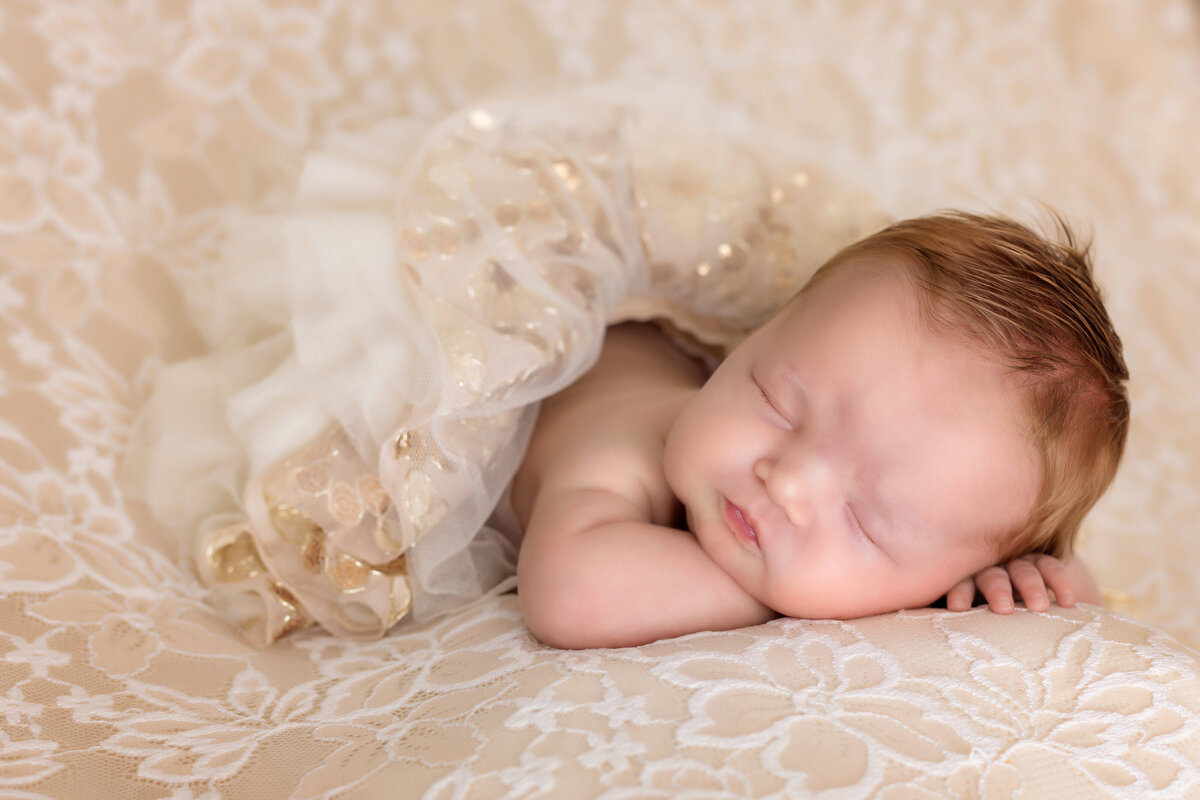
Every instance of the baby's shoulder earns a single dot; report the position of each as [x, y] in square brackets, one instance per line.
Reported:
[612, 445]
[607, 431]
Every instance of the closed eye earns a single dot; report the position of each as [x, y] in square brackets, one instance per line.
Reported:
[857, 525]
[766, 398]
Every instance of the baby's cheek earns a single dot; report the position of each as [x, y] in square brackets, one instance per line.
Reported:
[680, 454]
[671, 465]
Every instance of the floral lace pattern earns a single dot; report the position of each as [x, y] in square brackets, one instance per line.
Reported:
[128, 128]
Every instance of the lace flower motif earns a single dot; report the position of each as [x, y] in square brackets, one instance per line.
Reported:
[266, 61]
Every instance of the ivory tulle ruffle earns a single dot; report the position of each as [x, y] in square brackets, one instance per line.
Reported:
[379, 351]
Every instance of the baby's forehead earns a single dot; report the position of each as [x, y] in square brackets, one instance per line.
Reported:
[861, 285]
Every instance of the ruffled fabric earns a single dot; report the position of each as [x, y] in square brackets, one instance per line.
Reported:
[379, 351]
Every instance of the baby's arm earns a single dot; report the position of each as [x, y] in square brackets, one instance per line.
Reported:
[600, 564]
[1031, 576]
[594, 573]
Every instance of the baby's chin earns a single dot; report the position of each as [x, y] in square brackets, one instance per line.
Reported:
[830, 614]
[822, 608]
[842, 611]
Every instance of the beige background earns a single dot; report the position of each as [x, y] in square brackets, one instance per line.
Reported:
[126, 128]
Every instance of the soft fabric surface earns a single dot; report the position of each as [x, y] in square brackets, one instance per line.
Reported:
[128, 133]
[378, 350]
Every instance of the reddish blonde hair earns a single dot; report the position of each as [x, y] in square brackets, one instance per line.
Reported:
[1032, 303]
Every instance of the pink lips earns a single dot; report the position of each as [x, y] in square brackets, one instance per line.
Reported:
[740, 525]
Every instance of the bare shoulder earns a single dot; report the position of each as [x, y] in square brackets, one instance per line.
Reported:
[606, 432]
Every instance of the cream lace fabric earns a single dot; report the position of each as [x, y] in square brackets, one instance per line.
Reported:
[138, 141]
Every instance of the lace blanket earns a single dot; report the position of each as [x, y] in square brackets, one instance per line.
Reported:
[139, 141]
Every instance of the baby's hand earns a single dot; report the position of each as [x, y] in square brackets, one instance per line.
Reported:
[1030, 575]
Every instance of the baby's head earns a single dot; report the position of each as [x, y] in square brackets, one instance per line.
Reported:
[1030, 305]
[943, 395]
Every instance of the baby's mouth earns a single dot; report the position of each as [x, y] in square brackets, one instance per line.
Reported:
[738, 523]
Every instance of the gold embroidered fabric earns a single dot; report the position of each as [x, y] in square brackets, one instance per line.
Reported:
[142, 143]
[493, 261]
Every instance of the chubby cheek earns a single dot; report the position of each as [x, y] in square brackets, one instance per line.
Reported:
[817, 599]
[703, 453]
[686, 443]
[675, 461]
[830, 582]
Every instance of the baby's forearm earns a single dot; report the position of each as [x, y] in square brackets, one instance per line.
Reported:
[623, 584]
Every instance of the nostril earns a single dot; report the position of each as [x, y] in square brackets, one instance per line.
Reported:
[797, 514]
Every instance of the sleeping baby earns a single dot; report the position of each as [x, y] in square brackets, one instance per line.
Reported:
[656, 368]
[942, 397]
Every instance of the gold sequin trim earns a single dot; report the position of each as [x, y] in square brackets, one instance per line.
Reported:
[445, 238]
[233, 556]
[312, 552]
[416, 242]
[732, 256]
[570, 243]
[470, 230]
[508, 214]
[347, 573]
[568, 173]
[400, 446]
[294, 617]
[418, 497]
[373, 494]
[401, 601]
[538, 210]
[414, 277]
[466, 354]
[289, 522]
[397, 566]
[500, 278]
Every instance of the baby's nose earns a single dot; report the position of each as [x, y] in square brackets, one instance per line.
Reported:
[794, 487]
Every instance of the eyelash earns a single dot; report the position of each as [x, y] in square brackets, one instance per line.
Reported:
[858, 528]
[766, 399]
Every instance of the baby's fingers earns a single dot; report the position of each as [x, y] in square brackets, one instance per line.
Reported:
[1028, 581]
[961, 596]
[996, 587]
[1057, 579]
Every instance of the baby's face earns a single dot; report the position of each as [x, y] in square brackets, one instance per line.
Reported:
[847, 460]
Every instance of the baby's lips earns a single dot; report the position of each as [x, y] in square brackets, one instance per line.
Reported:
[738, 522]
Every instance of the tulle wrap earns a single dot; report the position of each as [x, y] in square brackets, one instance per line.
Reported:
[378, 352]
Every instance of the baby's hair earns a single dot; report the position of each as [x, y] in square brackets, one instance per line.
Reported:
[1031, 302]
